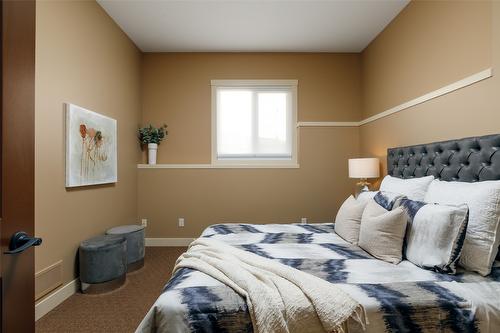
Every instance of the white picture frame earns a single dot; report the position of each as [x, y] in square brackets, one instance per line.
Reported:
[91, 147]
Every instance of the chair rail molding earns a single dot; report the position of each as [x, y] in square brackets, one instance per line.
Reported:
[469, 80]
[474, 78]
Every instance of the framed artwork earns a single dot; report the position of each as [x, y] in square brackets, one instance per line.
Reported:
[91, 148]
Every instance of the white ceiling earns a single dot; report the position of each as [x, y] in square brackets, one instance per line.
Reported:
[252, 25]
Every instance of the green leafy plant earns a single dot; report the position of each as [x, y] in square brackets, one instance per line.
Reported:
[152, 134]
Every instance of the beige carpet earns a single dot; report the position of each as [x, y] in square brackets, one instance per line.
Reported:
[120, 310]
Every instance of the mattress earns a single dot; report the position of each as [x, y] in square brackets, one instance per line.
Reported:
[396, 298]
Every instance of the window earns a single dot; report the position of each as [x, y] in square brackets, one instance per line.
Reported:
[254, 122]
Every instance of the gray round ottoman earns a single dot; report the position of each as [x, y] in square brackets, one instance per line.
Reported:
[135, 244]
[103, 263]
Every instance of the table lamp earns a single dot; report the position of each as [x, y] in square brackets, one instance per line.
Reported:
[363, 168]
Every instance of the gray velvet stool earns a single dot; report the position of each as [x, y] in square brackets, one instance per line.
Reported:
[103, 263]
[135, 244]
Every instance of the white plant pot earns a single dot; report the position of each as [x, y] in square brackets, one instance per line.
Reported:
[152, 149]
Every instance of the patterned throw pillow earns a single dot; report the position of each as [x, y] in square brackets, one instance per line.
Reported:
[388, 200]
[349, 218]
[435, 234]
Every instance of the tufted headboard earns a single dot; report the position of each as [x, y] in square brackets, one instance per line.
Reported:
[466, 160]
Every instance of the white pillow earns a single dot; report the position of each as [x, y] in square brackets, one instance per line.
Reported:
[413, 188]
[482, 236]
[349, 218]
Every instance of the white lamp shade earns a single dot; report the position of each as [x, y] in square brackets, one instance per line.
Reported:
[364, 168]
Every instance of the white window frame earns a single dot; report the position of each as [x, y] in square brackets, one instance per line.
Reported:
[257, 163]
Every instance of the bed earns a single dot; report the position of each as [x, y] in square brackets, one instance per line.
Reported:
[396, 298]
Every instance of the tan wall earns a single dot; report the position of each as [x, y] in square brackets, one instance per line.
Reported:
[82, 57]
[176, 90]
[430, 44]
[208, 196]
[470, 111]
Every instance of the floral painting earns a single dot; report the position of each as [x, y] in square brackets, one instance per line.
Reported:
[90, 147]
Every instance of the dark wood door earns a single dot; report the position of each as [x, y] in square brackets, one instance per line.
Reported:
[17, 164]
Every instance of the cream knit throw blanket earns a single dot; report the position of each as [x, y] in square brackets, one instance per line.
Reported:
[279, 298]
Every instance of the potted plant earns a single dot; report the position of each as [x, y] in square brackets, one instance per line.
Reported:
[152, 136]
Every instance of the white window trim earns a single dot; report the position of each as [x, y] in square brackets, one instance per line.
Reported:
[257, 163]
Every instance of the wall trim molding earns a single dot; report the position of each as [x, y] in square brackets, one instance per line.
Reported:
[328, 124]
[168, 241]
[474, 78]
[55, 298]
[469, 80]
[218, 166]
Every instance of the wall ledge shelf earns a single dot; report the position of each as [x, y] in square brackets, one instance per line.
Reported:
[214, 166]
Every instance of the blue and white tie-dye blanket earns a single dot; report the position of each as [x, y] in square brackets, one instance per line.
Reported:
[396, 298]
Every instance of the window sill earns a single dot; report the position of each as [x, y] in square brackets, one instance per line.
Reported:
[218, 166]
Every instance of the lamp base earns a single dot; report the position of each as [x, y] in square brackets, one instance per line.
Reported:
[361, 186]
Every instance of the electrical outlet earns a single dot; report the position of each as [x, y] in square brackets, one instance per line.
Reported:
[144, 222]
[303, 220]
[181, 221]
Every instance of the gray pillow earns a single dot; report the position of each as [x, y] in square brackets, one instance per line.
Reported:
[349, 218]
[435, 234]
[382, 232]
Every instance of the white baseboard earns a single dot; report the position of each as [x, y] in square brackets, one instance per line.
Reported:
[168, 241]
[58, 296]
[54, 299]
